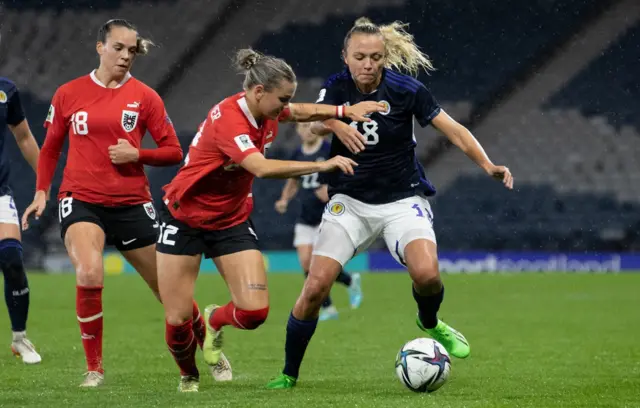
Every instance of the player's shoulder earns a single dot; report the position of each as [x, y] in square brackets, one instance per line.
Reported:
[146, 90]
[326, 146]
[338, 79]
[77, 85]
[229, 114]
[7, 85]
[296, 153]
[402, 83]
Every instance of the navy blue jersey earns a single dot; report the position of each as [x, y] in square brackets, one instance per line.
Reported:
[311, 207]
[388, 169]
[11, 113]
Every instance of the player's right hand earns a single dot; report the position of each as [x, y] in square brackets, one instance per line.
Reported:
[281, 206]
[360, 111]
[349, 136]
[37, 206]
[339, 162]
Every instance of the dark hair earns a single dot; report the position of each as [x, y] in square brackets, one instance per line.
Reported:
[401, 52]
[142, 44]
[262, 70]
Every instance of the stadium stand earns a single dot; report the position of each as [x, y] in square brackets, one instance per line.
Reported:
[575, 161]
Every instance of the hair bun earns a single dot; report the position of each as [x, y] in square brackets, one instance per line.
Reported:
[247, 58]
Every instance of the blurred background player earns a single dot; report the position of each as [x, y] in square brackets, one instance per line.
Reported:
[105, 194]
[208, 204]
[313, 198]
[16, 286]
[386, 196]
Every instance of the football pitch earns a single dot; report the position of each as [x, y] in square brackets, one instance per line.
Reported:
[537, 340]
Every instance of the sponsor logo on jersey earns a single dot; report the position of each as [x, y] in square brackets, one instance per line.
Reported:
[321, 96]
[3, 97]
[387, 107]
[129, 120]
[336, 208]
[151, 212]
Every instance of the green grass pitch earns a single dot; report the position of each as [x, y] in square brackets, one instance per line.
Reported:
[537, 340]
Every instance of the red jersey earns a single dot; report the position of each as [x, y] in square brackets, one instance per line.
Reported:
[212, 191]
[95, 117]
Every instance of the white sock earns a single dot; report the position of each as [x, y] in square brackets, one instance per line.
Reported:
[19, 335]
[330, 309]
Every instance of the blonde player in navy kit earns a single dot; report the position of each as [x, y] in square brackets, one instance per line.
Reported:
[386, 195]
[312, 195]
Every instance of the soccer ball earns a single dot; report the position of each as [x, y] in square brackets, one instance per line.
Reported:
[423, 365]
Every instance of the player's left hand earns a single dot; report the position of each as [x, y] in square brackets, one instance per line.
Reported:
[358, 111]
[281, 206]
[501, 173]
[123, 152]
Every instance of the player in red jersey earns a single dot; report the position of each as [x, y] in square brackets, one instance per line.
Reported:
[207, 207]
[105, 194]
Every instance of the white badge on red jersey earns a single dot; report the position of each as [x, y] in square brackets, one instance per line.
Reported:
[244, 142]
[129, 120]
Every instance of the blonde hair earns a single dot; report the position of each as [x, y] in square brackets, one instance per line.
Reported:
[401, 52]
[263, 70]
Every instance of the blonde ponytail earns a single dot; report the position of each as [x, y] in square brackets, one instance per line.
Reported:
[402, 53]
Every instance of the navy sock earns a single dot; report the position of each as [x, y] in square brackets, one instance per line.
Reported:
[428, 307]
[16, 286]
[327, 302]
[344, 278]
[299, 333]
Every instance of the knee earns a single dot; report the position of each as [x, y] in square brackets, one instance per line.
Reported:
[425, 274]
[250, 319]
[11, 263]
[89, 272]
[176, 316]
[316, 288]
[176, 319]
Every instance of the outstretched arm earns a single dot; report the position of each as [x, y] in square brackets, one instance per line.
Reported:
[463, 139]
[262, 167]
[310, 112]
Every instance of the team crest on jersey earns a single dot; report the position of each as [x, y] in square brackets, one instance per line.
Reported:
[387, 108]
[3, 97]
[336, 208]
[129, 120]
[151, 212]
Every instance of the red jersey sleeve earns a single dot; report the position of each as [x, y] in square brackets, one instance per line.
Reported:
[162, 131]
[57, 128]
[284, 115]
[232, 137]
